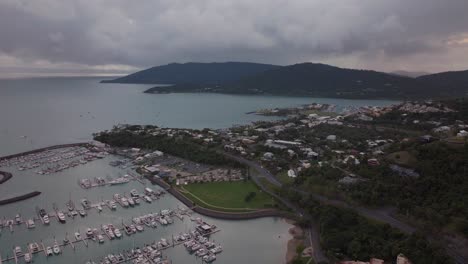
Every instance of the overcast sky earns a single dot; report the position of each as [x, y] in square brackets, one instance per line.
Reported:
[119, 36]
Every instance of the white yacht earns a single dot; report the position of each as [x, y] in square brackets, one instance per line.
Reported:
[34, 247]
[139, 228]
[134, 193]
[56, 249]
[18, 251]
[209, 258]
[46, 219]
[89, 233]
[117, 233]
[77, 236]
[31, 224]
[148, 199]
[82, 212]
[217, 250]
[18, 219]
[61, 216]
[49, 251]
[124, 201]
[27, 258]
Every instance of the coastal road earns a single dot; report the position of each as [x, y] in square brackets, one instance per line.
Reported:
[382, 215]
[314, 235]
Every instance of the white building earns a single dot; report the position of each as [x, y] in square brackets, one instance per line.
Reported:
[291, 174]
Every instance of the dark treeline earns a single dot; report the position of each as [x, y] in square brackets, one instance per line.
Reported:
[344, 234]
[177, 146]
[437, 196]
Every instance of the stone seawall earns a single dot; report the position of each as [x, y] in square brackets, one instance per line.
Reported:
[19, 198]
[5, 176]
[43, 149]
[219, 214]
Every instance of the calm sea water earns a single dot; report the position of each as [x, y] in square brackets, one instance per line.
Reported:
[41, 112]
[50, 111]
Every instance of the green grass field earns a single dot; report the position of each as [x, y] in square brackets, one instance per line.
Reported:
[227, 196]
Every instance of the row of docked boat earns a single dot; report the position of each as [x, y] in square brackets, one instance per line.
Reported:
[88, 183]
[36, 159]
[201, 247]
[164, 217]
[71, 163]
[145, 255]
[195, 242]
[34, 248]
[111, 232]
[153, 219]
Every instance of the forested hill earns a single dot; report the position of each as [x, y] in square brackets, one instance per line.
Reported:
[304, 79]
[325, 80]
[455, 81]
[194, 73]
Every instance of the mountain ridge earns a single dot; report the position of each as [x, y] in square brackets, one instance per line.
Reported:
[193, 72]
[300, 79]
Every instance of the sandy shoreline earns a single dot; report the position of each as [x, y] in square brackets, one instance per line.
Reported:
[297, 238]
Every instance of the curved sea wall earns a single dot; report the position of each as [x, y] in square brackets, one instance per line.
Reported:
[19, 198]
[5, 176]
[219, 214]
[44, 149]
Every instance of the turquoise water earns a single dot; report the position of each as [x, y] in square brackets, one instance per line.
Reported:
[62, 110]
[41, 112]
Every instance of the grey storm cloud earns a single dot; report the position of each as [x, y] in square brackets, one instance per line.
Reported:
[151, 32]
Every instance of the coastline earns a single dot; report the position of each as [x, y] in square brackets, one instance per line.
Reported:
[19, 198]
[5, 176]
[297, 239]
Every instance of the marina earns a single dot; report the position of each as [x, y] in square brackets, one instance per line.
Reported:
[198, 236]
[77, 209]
[87, 183]
[54, 160]
[43, 217]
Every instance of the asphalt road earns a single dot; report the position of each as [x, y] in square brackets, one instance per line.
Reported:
[382, 215]
[314, 235]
